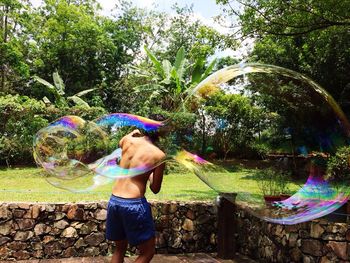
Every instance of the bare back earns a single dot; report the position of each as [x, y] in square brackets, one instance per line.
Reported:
[136, 152]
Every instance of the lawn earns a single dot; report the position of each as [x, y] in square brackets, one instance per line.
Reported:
[26, 184]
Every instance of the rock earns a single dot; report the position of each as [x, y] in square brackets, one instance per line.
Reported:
[59, 216]
[69, 232]
[4, 252]
[6, 227]
[24, 206]
[91, 252]
[279, 230]
[88, 228]
[41, 229]
[312, 247]
[62, 224]
[4, 240]
[76, 213]
[80, 243]
[67, 242]
[52, 248]
[293, 237]
[339, 249]
[188, 225]
[37, 245]
[172, 207]
[21, 255]
[325, 260]
[316, 231]
[295, 254]
[90, 206]
[70, 252]
[48, 239]
[95, 239]
[100, 214]
[33, 212]
[23, 236]
[17, 245]
[5, 213]
[38, 254]
[18, 213]
[348, 235]
[25, 224]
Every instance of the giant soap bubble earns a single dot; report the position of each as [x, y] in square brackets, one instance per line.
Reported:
[256, 111]
[256, 130]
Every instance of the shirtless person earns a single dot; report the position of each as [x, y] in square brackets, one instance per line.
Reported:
[129, 217]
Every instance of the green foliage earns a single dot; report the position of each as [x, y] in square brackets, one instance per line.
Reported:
[338, 168]
[167, 84]
[21, 118]
[58, 90]
[272, 182]
[237, 122]
[307, 36]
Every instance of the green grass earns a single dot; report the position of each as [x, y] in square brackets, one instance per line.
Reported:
[27, 184]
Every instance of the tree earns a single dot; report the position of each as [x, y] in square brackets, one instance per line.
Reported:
[58, 91]
[13, 40]
[236, 121]
[286, 18]
[167, 84]
[311, 37]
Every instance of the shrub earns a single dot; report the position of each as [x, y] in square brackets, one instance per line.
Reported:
[272, 182]
[338, 166]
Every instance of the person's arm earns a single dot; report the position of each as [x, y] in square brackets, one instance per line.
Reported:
[156, 178]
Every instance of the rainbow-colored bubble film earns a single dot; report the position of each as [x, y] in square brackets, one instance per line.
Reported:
[80, 155]
[293, 129]
[268, 135]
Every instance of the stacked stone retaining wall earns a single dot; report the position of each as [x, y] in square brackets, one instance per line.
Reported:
[318, 241]
[34, 231]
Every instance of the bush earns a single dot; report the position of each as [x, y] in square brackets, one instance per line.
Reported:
[338, 166]
[272, 182]
[22, 117]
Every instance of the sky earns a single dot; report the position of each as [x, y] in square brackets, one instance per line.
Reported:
[204, 10]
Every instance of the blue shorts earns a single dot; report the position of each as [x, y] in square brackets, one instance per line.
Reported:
[130, 219]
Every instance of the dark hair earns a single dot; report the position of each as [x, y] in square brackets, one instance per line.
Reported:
[152, 135]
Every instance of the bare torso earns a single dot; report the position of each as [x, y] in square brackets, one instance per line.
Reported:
[136, 152]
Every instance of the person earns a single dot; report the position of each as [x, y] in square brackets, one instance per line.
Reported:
[129, 218]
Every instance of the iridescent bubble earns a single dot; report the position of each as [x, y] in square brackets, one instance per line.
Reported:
[285, 121]
[79, 155]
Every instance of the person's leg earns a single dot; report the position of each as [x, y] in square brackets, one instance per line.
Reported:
[147, 251]
[119, 253]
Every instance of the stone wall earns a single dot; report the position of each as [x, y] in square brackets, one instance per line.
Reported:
[69, 230]
[66, 230]
[310, 242]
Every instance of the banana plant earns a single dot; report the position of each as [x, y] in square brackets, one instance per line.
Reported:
[58, 91]
[173, 81]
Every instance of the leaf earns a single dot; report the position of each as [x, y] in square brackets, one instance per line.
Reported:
[197, 71]
[58, 83]
[78, 101]
[148, 88]
[84, 92]
[180, 56]
[46, 100]
[208, 70]
[167, 70]
[44, 82]
[180, 62]
[155, 61]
